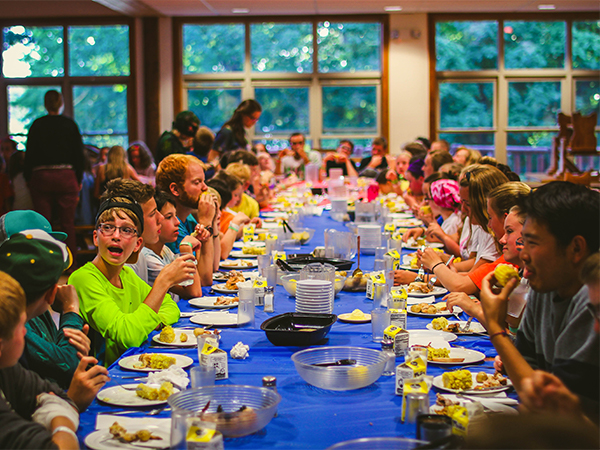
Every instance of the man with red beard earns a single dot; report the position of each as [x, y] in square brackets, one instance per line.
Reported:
[182, 177]
[557, 332]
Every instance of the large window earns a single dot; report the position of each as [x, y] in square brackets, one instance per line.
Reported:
[500, 83]
[89, 64]
[321, 78]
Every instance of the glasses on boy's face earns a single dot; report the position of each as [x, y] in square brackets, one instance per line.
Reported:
[108, 229]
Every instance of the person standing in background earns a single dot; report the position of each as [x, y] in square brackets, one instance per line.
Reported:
[180, 138]
[232, 135]
[55, 153]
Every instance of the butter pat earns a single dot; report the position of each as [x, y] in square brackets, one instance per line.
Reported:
[357, 314]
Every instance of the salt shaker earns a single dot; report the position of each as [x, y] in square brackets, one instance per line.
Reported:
[270, 382]
[387, 348]
[269, 306]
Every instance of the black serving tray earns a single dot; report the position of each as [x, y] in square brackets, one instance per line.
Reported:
[299, 261]
[286, 329]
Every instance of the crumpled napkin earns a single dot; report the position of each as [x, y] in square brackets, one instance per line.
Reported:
[173, 374]
[239, 351]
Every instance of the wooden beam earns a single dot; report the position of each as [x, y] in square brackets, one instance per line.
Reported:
[133, 8]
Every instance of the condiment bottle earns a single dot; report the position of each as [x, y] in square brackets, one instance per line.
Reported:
[387, 347]
[270, 382]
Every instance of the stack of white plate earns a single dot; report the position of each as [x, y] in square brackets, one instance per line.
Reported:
[314, 296]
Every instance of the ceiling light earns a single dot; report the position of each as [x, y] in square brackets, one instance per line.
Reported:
[544, 7]
[393, 8]
[240, 10]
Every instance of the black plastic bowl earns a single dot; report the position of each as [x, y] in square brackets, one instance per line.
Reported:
[292, 329]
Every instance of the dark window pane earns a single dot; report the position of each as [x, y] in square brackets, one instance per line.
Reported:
[483, 142]
[586, 45]
[348, 47]
[99, 51]
[533, 104]
[534, 45]
[100, 110]
[587, 96]
[25, 104]
[281, 47]
[350, 109]
[213, 48]
[285, 110]
[529, 152]
[466, 105]
[214, 107]
[466, 45]
[33, 52]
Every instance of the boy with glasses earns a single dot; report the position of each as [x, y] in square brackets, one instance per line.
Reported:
[119, 306]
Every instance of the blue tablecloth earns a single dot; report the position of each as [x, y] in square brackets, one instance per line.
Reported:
[308, 417]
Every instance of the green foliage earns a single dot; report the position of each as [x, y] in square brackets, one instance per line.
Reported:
[349, 47]
[533, 104]
[586, 45]
[587, 97]
[464, 46]
[33, 52]
[99, 51]
[111, 100]
[534, 45]
[213, 48]
[285, 110]
[281, 47]
[25, 104]
[349, 109]
[214, 107]
[467, 105]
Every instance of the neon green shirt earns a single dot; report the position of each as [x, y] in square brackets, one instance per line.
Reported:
[248, 206]
[119, 317]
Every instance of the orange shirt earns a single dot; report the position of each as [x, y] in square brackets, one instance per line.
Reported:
[479, 274]
[226, 217]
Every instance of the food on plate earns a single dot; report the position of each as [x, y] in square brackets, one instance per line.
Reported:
[489, 381]
[120, 433]
[424, 308]
[448, 407]
[459, 380]
[504, 273]
[236, 263]
[222, 301]
[439, 323]
[433, 353]
[301, 237]
[183, 337]
[167, 335]
[203, 331]
[357, 314]
[151, 393]
[154, 361]
[253, 250]
[418, 286]
[233, 280]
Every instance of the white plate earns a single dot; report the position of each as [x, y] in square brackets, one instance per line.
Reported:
[219, 318]
[238, 264]
[186, 315]
[241, 254]
[128, 362]
[475, 328]
[220, 276]
[242, 244]
[401, 216]
[493, 406]
[346, 318]
[223, 290]
[408, 267]
[457, 310]
[424, 337]
[275, 214]
[191, 341]
[407, 223]
[437, 290]
[102, 439]
[209, 302]
[427, 244]
[470, 357]
[438, 383]
[117, 396]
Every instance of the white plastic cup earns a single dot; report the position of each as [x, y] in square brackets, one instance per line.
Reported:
[380, 320]
[202, 375]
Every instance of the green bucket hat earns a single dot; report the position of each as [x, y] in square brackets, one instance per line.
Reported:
[35, 259]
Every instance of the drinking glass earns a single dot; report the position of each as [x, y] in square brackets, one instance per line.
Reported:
[202, 375]
[380, 320]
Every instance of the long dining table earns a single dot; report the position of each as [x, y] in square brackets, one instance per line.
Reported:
[308, 417]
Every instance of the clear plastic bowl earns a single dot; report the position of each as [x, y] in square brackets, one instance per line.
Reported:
[289, 283]
[231, 398]
[384, 443]
[368, 368]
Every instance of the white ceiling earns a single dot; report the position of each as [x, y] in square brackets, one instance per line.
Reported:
[215, 8]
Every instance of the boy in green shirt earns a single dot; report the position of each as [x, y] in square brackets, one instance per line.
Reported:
[119, 306]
